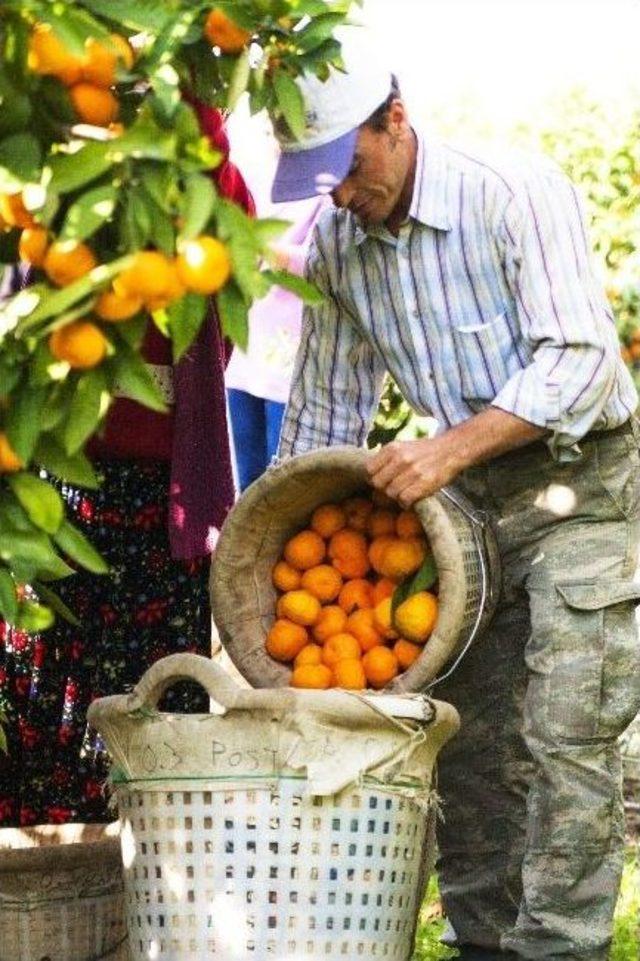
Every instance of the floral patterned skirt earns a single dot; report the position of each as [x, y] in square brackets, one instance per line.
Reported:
[148, 606]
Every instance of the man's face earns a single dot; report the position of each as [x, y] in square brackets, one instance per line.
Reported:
[376, 185]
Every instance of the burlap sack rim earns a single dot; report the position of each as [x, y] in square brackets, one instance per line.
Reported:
[446, 550]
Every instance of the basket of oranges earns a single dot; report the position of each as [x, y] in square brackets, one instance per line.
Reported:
[319, 581]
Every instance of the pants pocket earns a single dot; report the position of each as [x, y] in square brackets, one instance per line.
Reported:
[594, 679]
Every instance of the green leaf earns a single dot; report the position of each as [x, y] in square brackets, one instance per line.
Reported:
[422, 580]
[34, 618]
[20, 159]
[15, 107]
[8, 599]
[55, 603]
[23, 419]
[291, 102]
[40, 500]
[69, 171]
[55, 304]
[31, 549]
[185, 320]
[233, 311]
[89, 213]
[144, 140]
[268, 228]
[239, 79]
[76, 546]
[135, 381]
[319, 30]
[74, 468]
[145, 15]
[199, 201]
[86, 409]
[308, 293]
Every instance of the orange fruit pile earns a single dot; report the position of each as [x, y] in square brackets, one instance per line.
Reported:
[336, 577]
[88, 77]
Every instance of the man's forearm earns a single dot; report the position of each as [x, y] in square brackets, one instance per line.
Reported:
[409, 470]
[487, 435]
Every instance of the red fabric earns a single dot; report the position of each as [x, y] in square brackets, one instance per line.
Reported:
[131, 430]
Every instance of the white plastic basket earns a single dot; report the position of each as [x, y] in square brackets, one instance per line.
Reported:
[288, 825]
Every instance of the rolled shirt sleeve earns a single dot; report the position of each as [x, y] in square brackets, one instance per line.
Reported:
[563, 314]
[338, 377]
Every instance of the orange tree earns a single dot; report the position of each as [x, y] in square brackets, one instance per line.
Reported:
[105, 195]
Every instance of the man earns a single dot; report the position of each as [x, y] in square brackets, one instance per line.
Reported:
[469, 280]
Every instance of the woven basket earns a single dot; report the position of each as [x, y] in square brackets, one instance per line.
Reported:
[279, 504]
[61, 894]
[285, 825]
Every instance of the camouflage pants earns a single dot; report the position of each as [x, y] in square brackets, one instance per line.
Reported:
[532, 844]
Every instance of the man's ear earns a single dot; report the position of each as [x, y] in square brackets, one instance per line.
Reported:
[396, 115]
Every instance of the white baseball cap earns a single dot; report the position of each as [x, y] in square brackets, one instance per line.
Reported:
[335, 108]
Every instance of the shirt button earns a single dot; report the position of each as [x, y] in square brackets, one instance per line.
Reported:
[415, 312]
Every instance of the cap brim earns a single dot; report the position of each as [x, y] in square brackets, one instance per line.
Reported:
[307, 173]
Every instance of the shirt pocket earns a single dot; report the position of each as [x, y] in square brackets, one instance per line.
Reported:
[487, 358]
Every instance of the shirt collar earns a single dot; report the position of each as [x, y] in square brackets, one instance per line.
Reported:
[429, 203]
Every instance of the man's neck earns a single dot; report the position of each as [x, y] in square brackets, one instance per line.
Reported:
[400, 212]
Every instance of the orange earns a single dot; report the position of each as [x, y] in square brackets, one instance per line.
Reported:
[332, 620]
[340, 647]
[285, 640]
[357, 510]
[381, 589]
[81, 344]
[355, 594]
[284, 577]
[408, 524]
[312, 676]
[362, 625]
[14, 213]
[304, 550]
[323, 581]
[9, 460]
[67, 261]
[377, 547]
[625, 353]
[203, 265]
[406, 652]
[99, 65]
[301, 607]
[33, 245]
[349, 675]
[310, 654]
[634, 350]
[222, 32]
[48, 55]
[327, 520]
[401, 558]
[380, 666]
[348, 552]
[416, 617]
[381, 523]
[382, 619]
[152, 276]
[114, 307]
[93, 104]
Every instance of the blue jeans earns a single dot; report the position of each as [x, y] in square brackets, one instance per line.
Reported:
[255, 425]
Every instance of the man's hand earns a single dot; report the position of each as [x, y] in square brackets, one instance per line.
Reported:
[411, 469]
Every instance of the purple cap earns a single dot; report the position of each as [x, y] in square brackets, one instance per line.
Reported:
[306, 173]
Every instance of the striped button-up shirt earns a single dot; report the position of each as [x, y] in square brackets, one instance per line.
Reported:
[487, 296]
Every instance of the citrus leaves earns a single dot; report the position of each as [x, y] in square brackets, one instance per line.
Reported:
[122, 171]
[422, 580]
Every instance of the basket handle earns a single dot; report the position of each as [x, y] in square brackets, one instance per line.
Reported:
[220, 687]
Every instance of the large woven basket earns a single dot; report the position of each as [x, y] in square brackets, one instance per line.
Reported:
[285, 825]
[61, 894]
[279, 504]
